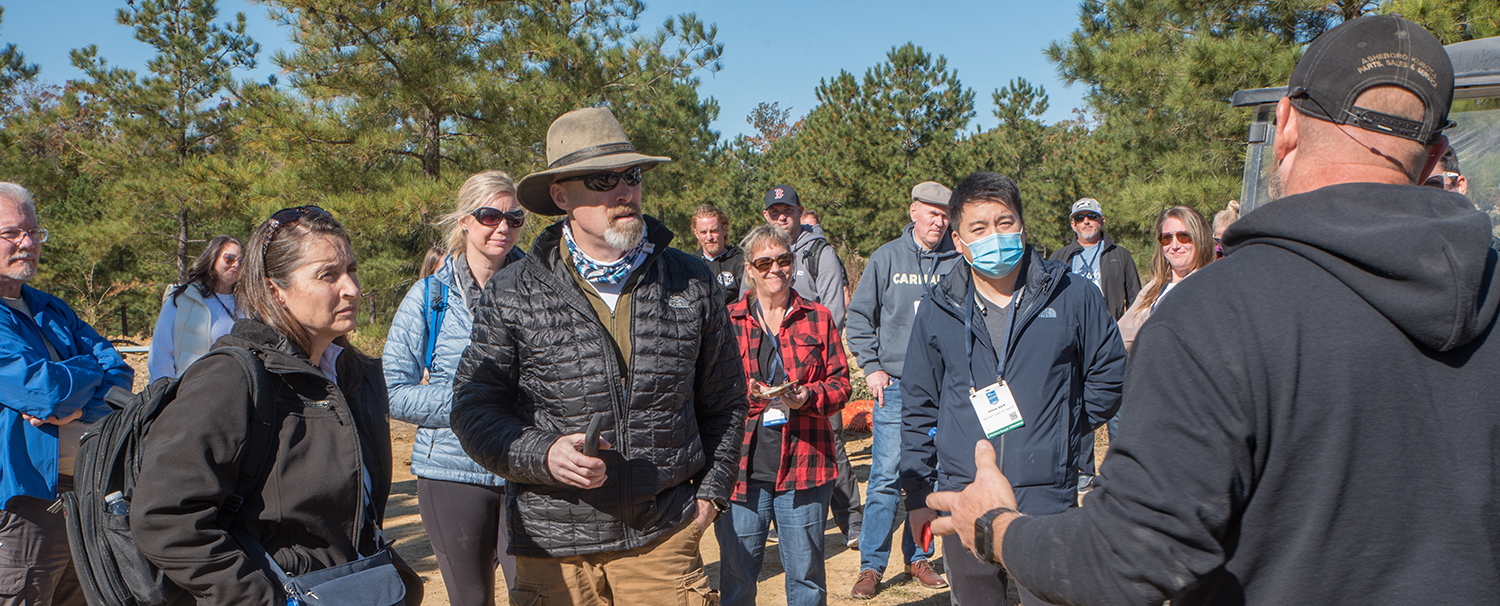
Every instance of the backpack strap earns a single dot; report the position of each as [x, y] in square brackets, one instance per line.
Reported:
[260, 439]
[437, 308]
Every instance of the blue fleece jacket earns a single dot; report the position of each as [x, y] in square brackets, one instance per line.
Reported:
[31, 383]
[1065, 363]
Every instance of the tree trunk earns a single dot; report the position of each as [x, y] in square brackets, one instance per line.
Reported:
[182, 242]
[431, 151]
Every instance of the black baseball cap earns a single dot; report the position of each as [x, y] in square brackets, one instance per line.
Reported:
[1374, 51]
[782, 194]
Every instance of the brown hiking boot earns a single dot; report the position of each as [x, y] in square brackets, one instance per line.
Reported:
[866, 585]
[922, 571]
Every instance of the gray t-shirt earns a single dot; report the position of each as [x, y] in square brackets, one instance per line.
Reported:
[1086, 263]
[996, 320]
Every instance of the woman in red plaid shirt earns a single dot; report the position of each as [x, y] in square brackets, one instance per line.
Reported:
[795, 367]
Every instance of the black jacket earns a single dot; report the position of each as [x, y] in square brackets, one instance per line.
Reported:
[541, 364]
[728, 270]
[1065, 366]
[309, 513]
[1118, 277]
[1313, 420]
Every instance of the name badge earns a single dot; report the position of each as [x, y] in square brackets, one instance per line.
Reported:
[775, 415]
[997, 409]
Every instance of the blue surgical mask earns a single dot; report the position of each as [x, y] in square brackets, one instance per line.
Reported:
[996, 255]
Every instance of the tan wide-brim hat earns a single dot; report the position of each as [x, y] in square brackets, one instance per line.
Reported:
[582, 141]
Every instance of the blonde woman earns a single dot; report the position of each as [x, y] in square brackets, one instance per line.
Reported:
[462, 504]
[1222, 220]
[1182, 238]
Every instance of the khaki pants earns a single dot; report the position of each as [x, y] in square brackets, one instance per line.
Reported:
[645, 576]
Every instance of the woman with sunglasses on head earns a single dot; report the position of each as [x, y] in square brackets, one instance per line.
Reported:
[304, 476]
[197, 312]
[797, 375]
[462, 504]
[1183, 247]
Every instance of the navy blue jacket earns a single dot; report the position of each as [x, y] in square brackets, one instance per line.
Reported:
[1065, 364]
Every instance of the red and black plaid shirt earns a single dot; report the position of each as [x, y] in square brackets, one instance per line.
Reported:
[813, 356]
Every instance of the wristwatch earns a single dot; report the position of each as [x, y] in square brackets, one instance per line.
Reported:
[984, 534]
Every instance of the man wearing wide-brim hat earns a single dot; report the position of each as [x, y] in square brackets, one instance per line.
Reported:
[603, 320]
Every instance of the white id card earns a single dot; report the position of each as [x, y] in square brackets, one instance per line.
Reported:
[775, 414]
[997, 409]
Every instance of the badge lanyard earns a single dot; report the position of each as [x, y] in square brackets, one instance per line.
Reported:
[776, 364]
[1093, 268]
[999, 347]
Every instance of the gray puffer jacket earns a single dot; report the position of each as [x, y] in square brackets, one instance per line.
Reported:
[437, 455]
[541, 364]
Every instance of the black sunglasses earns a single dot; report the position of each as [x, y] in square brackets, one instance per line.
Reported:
[285, 217]
[491, 217]
[607, 181]
[764, 263]
[1080, 217]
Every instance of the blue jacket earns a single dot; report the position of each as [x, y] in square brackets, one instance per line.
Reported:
[1065, 364]
[436, 454]
[31, 383]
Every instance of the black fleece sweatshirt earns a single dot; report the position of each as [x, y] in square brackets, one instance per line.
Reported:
[1314, 419]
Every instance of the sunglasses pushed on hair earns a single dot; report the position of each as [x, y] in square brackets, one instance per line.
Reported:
[491, 217]
[764, 263]
[286, 217]
[606, 181]
[1182, 238]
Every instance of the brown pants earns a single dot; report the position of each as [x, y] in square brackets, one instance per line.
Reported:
[645, 576]
[36, 567]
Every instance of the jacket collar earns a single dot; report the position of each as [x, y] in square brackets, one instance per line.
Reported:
[943, 250]
[1042, 277]
[797, 307]
[546, 249]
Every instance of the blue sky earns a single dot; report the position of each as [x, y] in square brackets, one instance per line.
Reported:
[774, 50]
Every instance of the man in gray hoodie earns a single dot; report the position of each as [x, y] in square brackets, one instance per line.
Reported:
[880, 319]
[817, 273]
[818, 276]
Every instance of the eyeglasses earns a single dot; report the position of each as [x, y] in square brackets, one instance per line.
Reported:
[231, 259]
[1442, 180]
[14, 235]
[1182, 238]
[764, 263]
[607, 181]
[285, 217]
[491, 217]
[1079, 218]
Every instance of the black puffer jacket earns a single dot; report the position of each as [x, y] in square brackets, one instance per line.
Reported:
[309, 513]
[541, 364]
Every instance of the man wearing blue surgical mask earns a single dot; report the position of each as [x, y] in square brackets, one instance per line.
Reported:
[1016, 350]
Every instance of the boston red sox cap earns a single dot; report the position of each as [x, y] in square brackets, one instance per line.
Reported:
[1373, 51]
[782, 194]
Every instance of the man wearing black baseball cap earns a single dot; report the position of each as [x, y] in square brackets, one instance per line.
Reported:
[1308, 415]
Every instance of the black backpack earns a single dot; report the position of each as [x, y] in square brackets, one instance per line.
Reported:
[111, 569]
[813, 253]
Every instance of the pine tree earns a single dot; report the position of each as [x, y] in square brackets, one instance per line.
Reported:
[869, 141]
[167, 158]
[1160, 73]
[13, 66]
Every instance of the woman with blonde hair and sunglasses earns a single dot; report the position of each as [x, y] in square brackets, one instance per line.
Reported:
[302, 478]
[462, 504]
[797, 376]
[1183, 247]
